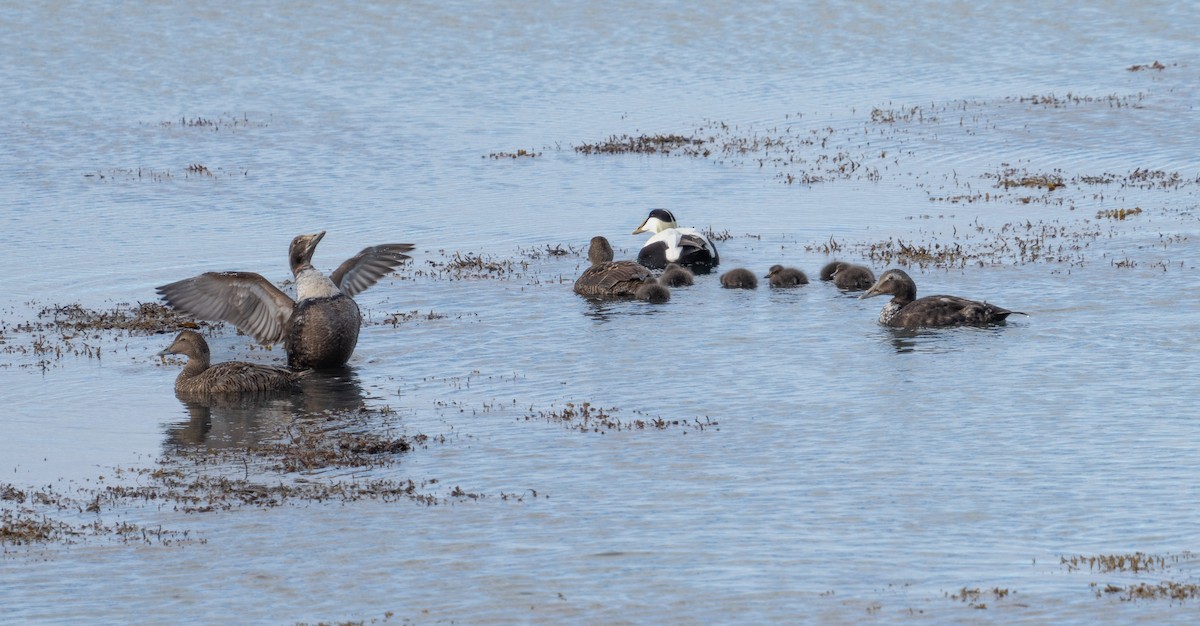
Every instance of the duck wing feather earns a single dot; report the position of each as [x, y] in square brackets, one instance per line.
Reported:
[364, 269]
[245, 299]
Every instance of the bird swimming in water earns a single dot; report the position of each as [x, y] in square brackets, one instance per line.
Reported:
[676, 276]
[847, 276]
[607, 278]
[739, 278]
[671, 244]
[781, 276]
[200, 376]
[319, 329]
[904, 310]
[653, 292]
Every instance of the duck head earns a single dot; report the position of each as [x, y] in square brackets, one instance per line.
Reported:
[658, 221]
[191, 344]
[301, 251]
[600, 251]
[895, 282]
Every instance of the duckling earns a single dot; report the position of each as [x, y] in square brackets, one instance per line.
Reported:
[676, 276]
[671, 244]
[739, 278]
[853, 277]
[318, 329]
[607, 278]
[199, 376]
[828, 270]
[781, 276]
[906, 311]
[653, 292]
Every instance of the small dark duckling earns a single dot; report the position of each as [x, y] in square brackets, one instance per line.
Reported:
[906, 311]
[654, 293]
[828, 270]
[853, 277]
[319, 328]
[739, 278]
[607, 278]
[781, 276]
[676, 276]
[199, 376]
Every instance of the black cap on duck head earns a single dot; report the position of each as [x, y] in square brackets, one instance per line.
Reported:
[658, 220]
[301, 251]
[600, 251]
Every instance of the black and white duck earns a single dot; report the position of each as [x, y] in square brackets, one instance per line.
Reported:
[319, 329]
[905, 310]
[671, 244]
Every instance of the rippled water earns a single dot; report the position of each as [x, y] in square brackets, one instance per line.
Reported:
[844, 472]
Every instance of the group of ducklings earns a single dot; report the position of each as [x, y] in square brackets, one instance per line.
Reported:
[678, 250]
[319, 329]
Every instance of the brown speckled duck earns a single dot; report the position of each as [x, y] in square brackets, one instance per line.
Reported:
[906, 311]
[781, 277]
[607, 278]
[199, 376]
[319, 328]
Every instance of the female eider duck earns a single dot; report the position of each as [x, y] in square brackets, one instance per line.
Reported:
[199, 376]
[676, 276]
[671, 244]
[319, 328]
[607, 278]
[906, 311]
[781, 276]
[848, 277]
[739, 278]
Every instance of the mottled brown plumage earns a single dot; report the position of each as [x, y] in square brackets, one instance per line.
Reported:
[781, 276]
[200, 377]
[610, 279]
[904, 310]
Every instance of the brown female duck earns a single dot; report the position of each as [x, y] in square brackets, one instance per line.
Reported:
[607, 278]
[200, 376]
[906, 311]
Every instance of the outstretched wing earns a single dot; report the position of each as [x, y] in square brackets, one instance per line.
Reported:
[244, 299]
[367, 267]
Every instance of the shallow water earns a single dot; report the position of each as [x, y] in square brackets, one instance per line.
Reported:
[831, 470]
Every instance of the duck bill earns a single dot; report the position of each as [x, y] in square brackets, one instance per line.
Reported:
[873, 291]
[642, 228]
[311, 241]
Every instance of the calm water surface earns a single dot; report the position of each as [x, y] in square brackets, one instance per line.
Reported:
[853, 473]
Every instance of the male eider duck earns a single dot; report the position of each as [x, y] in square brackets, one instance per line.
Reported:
[781, 276]
[199, 376]
[607, 278]
[671, 244]
[653, 292]
[319, 328]
[676, 276]
[847, 276]
[739, 278]
[906, 311]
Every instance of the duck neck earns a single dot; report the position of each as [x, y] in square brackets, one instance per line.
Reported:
[311, 283]
[195, 366]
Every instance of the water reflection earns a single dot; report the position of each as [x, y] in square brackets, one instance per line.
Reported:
[936, 340]
[606, 310]
[222, 422]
